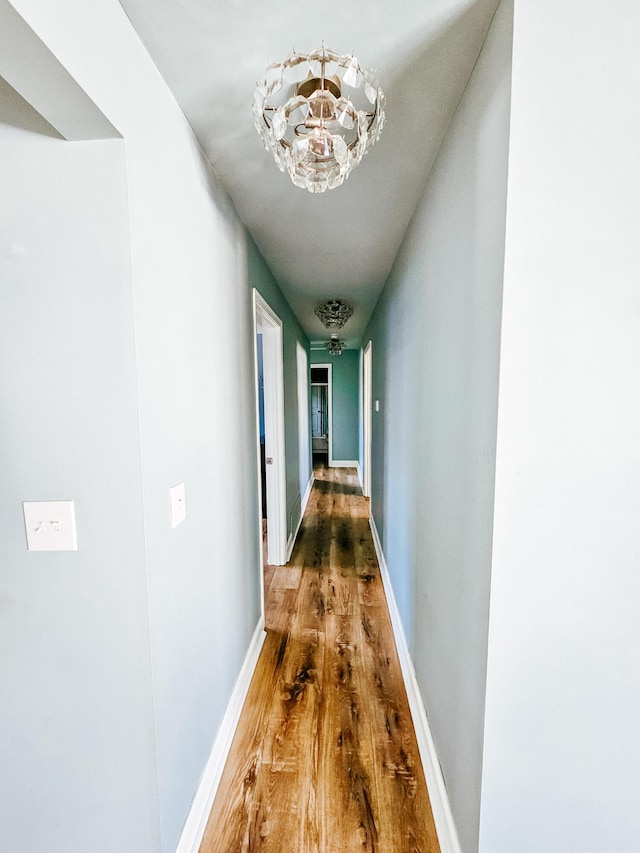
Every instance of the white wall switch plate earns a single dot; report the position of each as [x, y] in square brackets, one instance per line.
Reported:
[377, 405]
[178, 504]
[50, 525]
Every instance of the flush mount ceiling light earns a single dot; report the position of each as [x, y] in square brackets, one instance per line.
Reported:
[335, 346]
[334, 313]
[319, 113]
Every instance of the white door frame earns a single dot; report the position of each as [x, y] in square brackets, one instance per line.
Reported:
[305, 466]
[267, 322]
[367, 415]
[329, 404]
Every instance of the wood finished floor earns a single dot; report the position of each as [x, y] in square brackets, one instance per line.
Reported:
[325, 758]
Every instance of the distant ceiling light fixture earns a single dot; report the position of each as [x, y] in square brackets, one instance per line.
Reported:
[319, 113]
[335, 346]
[334, 313]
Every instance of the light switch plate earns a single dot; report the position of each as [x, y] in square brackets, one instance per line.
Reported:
[178, 500]
[50, 525]
[377, 405]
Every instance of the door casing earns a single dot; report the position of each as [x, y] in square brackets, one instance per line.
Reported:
[329, 403]
[367, 417]
[267, 322]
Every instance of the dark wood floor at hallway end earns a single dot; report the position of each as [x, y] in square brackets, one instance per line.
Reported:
[325, 758]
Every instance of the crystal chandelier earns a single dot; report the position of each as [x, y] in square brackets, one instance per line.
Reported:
[319, 113]
[335, 346]
[334, 313]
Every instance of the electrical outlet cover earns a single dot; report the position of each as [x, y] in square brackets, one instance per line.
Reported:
[50, 525]
[178, 500]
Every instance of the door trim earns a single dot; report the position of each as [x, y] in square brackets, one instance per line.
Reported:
[367, 418]
[266, 321]
[329, 367]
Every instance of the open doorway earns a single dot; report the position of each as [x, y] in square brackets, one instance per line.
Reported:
[304, 431]
[270, 431]
[366, 420]
[321, 438]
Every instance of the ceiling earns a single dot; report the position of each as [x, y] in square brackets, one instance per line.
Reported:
[342, 243]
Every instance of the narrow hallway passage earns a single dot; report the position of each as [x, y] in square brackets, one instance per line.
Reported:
[325, 758]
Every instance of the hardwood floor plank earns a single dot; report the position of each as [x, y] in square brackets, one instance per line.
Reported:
[285, 776]
[227, 828]
[350, 816]
[280, 606]
[325, 758]
[286, 577]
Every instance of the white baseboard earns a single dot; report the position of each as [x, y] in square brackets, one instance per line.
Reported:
[360, 480]
[196, 821]
[442, 815]
[303, 505]
[343, 463]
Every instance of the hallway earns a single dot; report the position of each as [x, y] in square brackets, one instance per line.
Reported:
[325, 758]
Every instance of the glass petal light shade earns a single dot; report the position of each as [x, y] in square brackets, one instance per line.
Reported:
[334, 313]
[319, 114]
[335, 346]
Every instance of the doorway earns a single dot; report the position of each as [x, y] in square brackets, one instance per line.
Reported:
[366, 420]
[321, 438]
[270, 430]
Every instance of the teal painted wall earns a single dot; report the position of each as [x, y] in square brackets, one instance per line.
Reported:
[344, 401]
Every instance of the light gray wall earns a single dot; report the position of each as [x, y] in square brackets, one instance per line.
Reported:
[127, 367]
[344, 401]
[77, 746]
[435, 335]
[562, 749]
[196, 398]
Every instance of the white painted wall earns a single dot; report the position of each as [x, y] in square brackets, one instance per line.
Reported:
[128, 337]
[562, 742]
[435, 338]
